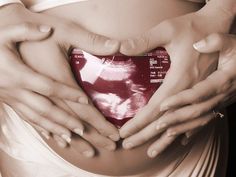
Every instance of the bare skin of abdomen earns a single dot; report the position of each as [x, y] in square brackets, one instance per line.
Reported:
[119, 20]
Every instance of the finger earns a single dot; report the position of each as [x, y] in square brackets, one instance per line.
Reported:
[189, 112]
[152, 111]
[83, 147]
[29, 79]
[33, 118]
[97, 140]
[45, 108]
[24, 32]
[217, 83]
[190, 135]
[155, 37]
[190, 125]
[60, 141]
[142, 136]
[43, 131]
[61, 86]
[160, 145]
[47, 87]
[62, 105]
[88, 113]
[216, 42]
[88, 41]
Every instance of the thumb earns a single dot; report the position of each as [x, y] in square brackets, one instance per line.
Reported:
[88, 41]
[216, 42]
[24, 32]
[157, 36]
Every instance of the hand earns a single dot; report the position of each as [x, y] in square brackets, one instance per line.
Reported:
[40, 110]
[187, 68]
[50, 57]
[215, 92]
[24, 79]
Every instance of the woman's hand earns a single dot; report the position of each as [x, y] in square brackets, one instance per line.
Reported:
[188, 67]
[215, 92]
[19, 84]
[49, 113]
[50, 57]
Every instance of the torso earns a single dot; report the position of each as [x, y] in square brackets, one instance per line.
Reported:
[120, 20]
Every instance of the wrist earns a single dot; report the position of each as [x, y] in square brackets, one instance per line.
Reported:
[227, 6]
[220, 15]
[14, 14]
[9, 2]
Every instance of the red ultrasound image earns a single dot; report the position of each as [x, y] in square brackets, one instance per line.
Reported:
[120, 85]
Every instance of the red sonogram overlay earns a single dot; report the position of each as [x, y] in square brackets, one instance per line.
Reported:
[120, 85]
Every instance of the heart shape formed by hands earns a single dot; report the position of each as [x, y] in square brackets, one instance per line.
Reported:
[120, 85]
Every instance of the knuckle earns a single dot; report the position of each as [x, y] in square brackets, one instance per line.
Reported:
[69, 121]
[26, 27]
[45, 110]
[168, 24]
[92, 38]
[49, 89]
[145, 40]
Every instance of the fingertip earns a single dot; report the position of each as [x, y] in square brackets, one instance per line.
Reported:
[114, 137]
[112, 45]
[127, 145]
[200, 45]
[184, 141]
[88, 153]
[45, 28]
[152, 153]
[79, 131]
[123, 133]
[45, 134]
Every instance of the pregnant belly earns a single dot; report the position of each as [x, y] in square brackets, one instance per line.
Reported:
[120, 20]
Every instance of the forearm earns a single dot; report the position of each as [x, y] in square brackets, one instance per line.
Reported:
[219, 14]
[229, 6]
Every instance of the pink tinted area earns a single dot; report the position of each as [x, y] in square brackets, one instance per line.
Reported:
[120, 85]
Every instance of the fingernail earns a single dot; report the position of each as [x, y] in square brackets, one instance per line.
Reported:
[153, 154]
[161, 125]
[184, 141]
[83, 100]
[111, 43]
[128, 145]
[79, 131]
[61, 144]
[114, 137]
[171, 133]
[44, 29]
[88, 153]
[110, 147]
[45, 135]
[66, 138]
[188, 134]
[199, 45]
